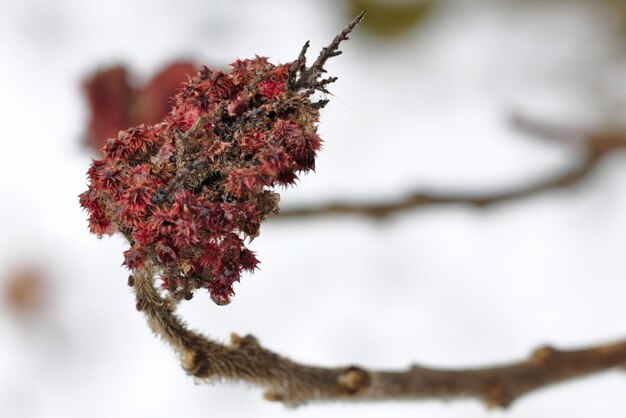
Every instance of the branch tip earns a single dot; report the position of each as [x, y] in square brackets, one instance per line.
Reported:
[302, 77]
[332, 49]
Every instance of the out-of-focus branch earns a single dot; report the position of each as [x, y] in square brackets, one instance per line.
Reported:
[423, 199]
[595, 146]
[245, 360]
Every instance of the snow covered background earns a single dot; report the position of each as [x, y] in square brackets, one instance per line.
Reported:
[447, 287]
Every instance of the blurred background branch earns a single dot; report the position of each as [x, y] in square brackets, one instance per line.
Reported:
[594, 146]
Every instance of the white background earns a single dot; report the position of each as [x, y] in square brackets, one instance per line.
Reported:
[447, 287]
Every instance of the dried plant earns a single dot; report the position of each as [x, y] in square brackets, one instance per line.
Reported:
[186, 192]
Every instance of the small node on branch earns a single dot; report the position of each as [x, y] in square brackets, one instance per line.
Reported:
[496, 396]
[302, 77]
[249, 341]
[273, 396]
[354, 381]
[195, 363]
[544, 354]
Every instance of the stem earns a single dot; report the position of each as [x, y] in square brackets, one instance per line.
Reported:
[245, 360]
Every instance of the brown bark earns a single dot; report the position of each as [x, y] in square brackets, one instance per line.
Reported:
[245, 360]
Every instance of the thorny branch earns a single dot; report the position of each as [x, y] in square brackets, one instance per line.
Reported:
[595, 146]
[294, 384]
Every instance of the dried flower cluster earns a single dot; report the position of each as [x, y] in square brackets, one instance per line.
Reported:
[115, 103]
[186, 192]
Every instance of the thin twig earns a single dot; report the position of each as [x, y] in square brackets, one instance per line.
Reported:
[308, 77]
[284, 380]
[596, 146]
[332, 50]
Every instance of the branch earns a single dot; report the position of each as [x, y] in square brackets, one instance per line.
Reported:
[301, 76]
[294, 384]
[597, 146]
[423, 199]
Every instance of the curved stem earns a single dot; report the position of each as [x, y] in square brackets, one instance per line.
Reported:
[245, 360]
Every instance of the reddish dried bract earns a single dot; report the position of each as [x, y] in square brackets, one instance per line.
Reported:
[186, 192]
